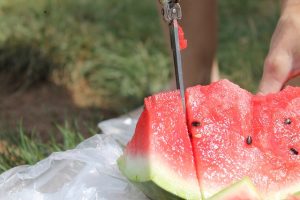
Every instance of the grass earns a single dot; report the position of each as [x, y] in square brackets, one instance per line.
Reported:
[28, 148]
[118, 49]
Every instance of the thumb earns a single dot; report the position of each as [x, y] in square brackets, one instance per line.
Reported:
[276, 70]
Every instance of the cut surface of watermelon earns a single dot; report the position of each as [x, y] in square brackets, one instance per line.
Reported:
[243, 135]
[160, 153]
[227, 134]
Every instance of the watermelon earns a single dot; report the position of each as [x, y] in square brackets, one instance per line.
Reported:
[229, 143]
[182, 41]
[160, 153]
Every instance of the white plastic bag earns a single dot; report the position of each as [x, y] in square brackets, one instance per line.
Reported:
[88, 172]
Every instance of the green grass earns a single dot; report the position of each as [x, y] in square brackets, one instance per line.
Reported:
[118, 48]
[22, 147]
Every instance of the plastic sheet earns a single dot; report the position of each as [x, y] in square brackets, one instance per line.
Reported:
[88, 172]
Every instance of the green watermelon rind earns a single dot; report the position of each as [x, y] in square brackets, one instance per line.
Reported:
[153, 191]
[245, 186]
[297, 194]
[157, 176]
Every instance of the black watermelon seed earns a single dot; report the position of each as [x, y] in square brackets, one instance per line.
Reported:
[196, 123]
[249, 140]
[294, 151]
[287, 121]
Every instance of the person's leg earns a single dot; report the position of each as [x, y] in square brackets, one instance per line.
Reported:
[199, 23]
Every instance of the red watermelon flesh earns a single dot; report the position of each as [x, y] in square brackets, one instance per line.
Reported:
[279, 118]
[160, 152]
[182, 41]
[279, 138]
[241, 135]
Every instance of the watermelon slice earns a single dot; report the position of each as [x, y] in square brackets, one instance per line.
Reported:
[227, 135]
[160, 153]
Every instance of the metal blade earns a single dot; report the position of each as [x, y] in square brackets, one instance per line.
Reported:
[173, 26]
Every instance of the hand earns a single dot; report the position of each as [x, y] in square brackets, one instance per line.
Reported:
[283, 60]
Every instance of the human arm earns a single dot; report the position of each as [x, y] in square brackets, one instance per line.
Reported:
[283, 59]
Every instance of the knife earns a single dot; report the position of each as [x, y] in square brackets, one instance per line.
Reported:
[171, 12]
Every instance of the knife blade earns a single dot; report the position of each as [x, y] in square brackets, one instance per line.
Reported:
[173, 26]
[172, 13]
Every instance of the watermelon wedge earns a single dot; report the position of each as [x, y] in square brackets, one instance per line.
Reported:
[228, 141]
[160, 153]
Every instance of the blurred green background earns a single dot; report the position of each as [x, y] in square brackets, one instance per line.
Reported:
[67, 64]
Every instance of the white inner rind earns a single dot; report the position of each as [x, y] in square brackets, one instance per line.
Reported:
[242, 189]
[138, 168]
[284, 193]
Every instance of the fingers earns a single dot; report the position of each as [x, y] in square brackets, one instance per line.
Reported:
[276, 71]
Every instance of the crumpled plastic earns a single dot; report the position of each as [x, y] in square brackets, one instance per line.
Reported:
[88, 172]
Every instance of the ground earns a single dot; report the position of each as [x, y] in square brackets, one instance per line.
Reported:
[41, 107]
